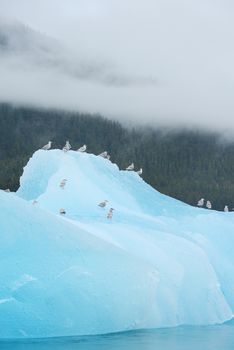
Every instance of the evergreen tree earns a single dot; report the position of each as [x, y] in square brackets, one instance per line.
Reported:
[183, 164]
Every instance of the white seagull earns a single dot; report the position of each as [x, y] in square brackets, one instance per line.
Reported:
[226, 208]
[139, 172]
[201, 202]
[103, 154]
[110, 213]
[62, 211]
[103, 204]
[208, 205]
[47, 146]
[130, 167]
[63, 183]
[82, 149]
[67, 147]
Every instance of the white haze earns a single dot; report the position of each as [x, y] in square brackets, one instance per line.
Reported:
[167, 62]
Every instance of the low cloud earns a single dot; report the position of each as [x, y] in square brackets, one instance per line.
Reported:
[158, 62]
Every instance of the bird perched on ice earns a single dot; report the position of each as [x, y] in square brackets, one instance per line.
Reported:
[47, 146]
[103, 154]
[139, 172]
[67, 147]
[82, 149]
[130, 167]
[63, 183]
[103, 204]
[110, 213]
[208, 205]
[226, 209]
[7, 190]
[62, 211]
[201, 202]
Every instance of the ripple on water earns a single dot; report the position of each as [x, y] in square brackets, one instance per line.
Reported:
[219, 337]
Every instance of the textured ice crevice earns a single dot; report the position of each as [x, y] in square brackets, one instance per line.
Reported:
[77, 270]
[24, 279]
[6, 300]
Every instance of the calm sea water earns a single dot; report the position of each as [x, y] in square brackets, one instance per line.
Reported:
[181, 338]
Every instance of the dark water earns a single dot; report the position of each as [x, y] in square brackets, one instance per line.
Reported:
[181, 338]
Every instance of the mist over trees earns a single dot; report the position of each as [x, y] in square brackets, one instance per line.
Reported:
[184, 164]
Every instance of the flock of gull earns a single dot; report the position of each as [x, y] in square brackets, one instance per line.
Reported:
[83, 149]
[201, 203]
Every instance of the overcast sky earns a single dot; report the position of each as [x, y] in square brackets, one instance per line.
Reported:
[158, 61]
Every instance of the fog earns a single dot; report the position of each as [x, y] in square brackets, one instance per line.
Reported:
[161, 62]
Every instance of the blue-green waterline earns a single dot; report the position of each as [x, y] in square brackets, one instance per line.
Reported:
[180, 338]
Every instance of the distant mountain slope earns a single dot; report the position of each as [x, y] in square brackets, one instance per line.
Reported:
[17, 38]
[185, 165]
[20, 44]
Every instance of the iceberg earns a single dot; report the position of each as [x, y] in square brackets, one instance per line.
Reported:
[157, 263]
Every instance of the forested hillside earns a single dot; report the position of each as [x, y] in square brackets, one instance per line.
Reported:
[185, 165]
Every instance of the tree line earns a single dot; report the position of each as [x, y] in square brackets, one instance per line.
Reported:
[184, 164]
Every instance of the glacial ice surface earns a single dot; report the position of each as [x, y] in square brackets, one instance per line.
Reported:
[157, 263]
